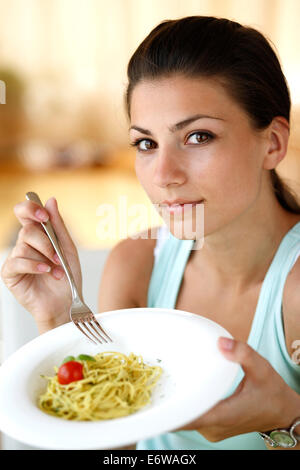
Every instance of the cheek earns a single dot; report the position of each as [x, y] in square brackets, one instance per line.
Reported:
[139, 171]
[143, 176]
[231, 182]
[245, 178]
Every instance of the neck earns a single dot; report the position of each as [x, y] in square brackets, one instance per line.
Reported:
[238, 254]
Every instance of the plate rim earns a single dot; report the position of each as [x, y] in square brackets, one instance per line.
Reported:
[146, 435]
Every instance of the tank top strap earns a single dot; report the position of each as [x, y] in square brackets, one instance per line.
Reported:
[267, 333]
[169, 265]
[270, 298]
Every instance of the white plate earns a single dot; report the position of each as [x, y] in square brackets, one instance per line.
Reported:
[195, 377]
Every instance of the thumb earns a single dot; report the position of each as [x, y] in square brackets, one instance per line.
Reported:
[240, 352]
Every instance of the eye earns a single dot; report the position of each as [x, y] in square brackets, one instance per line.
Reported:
[200, 137]
[146, 142]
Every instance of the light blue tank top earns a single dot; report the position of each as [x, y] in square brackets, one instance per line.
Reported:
[266, 334]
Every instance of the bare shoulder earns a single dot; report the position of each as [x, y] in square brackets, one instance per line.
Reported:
[127, 272]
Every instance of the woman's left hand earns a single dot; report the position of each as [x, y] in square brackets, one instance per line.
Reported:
[261, 402]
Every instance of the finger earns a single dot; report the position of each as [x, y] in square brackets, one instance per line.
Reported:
[34, 236]
[252, 363]
[58, 224]
[13, 267]
[29, 211]
[22, 250]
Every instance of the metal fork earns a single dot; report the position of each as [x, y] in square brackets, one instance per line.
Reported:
[80, 314]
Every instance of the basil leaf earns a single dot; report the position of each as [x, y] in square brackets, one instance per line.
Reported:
[68, 359]
[85, 357]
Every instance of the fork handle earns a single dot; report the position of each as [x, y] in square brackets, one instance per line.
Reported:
[31, 196]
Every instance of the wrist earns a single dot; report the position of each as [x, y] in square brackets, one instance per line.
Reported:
[50, 324]
[291, 411]
[283, 439]
[285, 435]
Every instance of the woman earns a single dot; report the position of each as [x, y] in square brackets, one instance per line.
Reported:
[209, 109]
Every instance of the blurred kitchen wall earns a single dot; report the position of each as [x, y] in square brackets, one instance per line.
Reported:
[72, 54]
[64, 65]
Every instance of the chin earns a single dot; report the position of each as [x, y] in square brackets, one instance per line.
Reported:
[186, 231]
[187, 226]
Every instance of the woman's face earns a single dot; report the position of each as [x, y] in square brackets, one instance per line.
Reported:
[195, 145]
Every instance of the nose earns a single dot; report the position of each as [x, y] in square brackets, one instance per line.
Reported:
[168, 168]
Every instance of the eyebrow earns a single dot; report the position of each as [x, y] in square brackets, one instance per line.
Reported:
[179, 125]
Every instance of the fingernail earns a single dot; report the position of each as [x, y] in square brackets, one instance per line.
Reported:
[226, 344]
[43, 268]
[42, 215]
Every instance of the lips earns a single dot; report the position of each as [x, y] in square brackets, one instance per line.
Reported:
[177, 202]
[178, 206]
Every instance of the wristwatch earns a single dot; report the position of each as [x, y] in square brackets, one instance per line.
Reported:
[282, 437]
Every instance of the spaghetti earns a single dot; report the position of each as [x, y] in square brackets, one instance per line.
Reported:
[113, 385]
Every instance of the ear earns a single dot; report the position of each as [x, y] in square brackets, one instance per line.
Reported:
[278, 137]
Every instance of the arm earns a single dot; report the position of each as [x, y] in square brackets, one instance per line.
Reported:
[126, 275]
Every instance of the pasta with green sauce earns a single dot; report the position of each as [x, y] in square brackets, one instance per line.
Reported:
[112, 385]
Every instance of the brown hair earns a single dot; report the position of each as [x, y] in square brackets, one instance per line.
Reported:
[239, 56]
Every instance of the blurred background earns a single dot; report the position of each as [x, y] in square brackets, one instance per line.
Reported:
[63, 128]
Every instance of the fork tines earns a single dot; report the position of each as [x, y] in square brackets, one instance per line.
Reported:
[90, 323]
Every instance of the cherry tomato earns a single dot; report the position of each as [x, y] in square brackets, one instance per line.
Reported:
[70, 372]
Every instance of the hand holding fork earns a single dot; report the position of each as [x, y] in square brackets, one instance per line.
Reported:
[34, 254]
